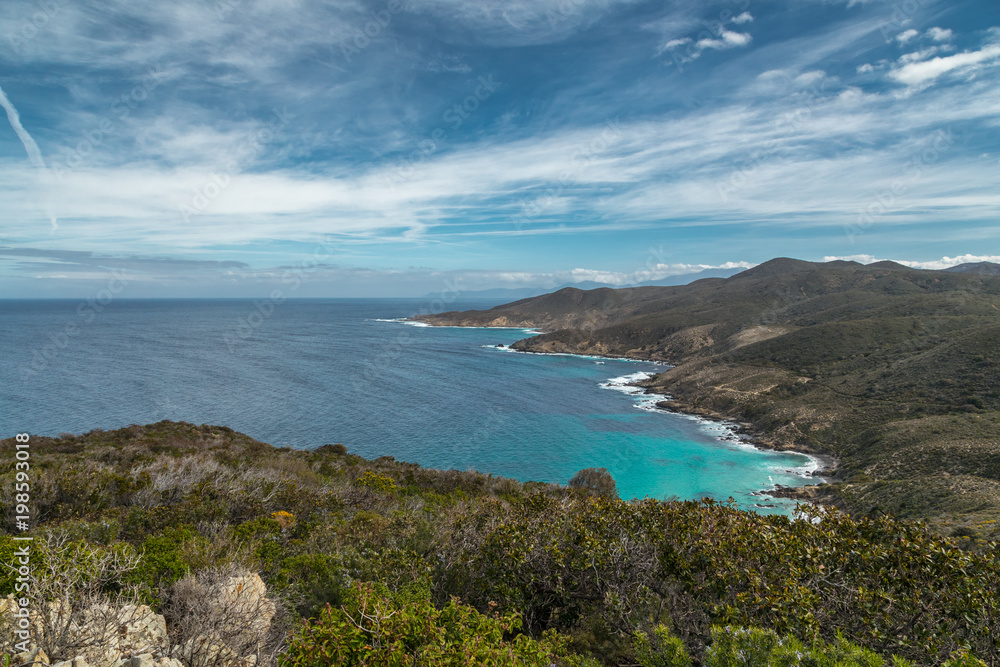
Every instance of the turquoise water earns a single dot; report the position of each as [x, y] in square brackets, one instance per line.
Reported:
[325, 371]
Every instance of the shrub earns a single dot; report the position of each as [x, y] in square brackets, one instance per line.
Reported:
[373, 628]
[377, 482]
[595, 480]
[285, 519]
[79, 593]
[963, 658]
[162, 561]
[316, 579]
[661, 649]
[756, 647]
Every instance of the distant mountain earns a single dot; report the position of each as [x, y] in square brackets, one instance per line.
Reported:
[893, 370]
[982, 268]
[514, 293]
[687, 278]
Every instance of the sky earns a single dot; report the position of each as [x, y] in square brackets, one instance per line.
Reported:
[217, 148]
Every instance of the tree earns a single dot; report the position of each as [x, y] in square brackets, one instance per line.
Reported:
[595, 480]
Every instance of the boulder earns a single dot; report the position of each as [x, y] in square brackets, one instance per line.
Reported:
[246, 595]
[122, 633]
[204, 650]
[143, 631]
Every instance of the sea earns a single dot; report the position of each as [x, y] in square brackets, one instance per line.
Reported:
[303, 373]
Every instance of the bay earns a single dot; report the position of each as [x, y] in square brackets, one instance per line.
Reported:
[303, 373]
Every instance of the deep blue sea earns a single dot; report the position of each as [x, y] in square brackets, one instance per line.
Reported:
[309, 372]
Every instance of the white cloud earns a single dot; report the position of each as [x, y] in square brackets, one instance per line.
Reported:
[864, 69]
[809, 78]
[664, 172]
[939, 34]
[918, 73]
[918, 56]
[946, 262]
[745, 17]
[906, 36]
[934, 264]
[674, 43]
[658, 271]
[860, 259]
[728, 39]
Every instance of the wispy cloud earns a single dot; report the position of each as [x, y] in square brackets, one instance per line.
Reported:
[30, 147]
[919, 68]
[940, 34]
[800, 117]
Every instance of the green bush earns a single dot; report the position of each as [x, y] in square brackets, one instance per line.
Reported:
[377, 482]
[319, 580]
[375, 629]
[661, 649]
[595, 480]
[162, 561]
[756, 647]
[963, 658]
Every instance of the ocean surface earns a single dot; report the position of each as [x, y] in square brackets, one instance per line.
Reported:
[309, 372]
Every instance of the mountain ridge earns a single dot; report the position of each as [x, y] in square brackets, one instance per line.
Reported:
[868, 363]
[515, 293]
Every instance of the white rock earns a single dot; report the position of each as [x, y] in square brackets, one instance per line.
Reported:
[247, 596]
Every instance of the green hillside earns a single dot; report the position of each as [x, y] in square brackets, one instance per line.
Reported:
[895, 371]
[386, 563]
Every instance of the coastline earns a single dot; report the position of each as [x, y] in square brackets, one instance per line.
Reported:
[822, 466]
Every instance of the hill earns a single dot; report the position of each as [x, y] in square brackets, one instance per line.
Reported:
[895, 371]
[985, 268]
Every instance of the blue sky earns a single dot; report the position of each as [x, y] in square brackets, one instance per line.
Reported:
[214, 148]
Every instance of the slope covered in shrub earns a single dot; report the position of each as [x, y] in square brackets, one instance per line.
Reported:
[530, 569]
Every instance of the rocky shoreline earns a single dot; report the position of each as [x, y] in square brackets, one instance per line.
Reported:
[742, 431]
[745, 432]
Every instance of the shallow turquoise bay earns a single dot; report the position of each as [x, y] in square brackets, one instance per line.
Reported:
[324, 371]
